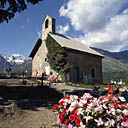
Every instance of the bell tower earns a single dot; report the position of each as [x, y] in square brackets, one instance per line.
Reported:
[48, 25]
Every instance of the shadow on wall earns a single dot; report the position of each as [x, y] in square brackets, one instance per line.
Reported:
[29, 97]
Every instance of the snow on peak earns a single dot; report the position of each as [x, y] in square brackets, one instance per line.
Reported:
[15, 59]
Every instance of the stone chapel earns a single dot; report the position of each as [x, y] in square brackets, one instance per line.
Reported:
[87, 63]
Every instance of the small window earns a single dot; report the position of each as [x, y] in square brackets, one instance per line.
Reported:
[46, 59]
[46, 23]
[51, 73]
[93, 73]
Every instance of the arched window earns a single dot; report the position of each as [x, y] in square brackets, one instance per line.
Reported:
[46, 23]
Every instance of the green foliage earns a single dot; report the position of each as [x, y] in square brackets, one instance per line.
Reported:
[126, 79]
[8, 8]
[57, 56]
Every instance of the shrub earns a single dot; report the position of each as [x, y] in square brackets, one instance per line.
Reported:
[57, 56]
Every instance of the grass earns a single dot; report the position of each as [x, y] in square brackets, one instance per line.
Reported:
[102, 86]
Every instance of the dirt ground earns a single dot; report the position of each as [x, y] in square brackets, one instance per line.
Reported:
[17, 118]
[28, 106]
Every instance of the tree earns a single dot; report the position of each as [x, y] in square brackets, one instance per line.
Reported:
[8, 71]
[8, 8]
[57, 56]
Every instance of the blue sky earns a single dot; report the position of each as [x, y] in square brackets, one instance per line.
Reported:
[96, 23]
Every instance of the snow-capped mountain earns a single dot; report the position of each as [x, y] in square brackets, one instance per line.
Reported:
[15, 59]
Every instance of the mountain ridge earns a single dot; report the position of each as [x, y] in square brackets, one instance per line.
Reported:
[15, 59]
[114, 64]
[117, 55]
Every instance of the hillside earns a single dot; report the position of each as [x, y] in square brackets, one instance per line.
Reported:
[4, 63]
[115, 64]
[27, 66]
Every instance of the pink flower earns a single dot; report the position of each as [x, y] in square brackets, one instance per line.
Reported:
[70, 126]
[99, 122]
[124, 124]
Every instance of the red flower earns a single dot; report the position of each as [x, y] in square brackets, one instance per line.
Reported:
[125, 119]
[116, 101]
[67, 97]
[101, 98]
[63, 113]
[61, 118]
[55, 107]
[72, 118]
[62, 103]
[78, 121]
[109, 87]
[75, 113]
[116, 105]
[66, 122]
[122, 106]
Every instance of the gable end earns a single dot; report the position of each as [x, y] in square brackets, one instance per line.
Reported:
[36, 47]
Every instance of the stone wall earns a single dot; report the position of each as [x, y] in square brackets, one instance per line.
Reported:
[38, 62]
[85, 63]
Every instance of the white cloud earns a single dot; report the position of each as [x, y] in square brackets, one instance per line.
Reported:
[63, 29]
[113, 36]
[101, 21]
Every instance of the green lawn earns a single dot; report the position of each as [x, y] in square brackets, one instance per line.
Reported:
[102, 87]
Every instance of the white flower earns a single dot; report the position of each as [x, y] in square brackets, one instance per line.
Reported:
[81, 125]
[104, 106]
[113, 111]
[107, 123]
[74, 104]
[125, 111]
[80, 111]
[71, 109]
[73, 97]
[88, 118]
[99, 122]
[112, 122]
[122, 99]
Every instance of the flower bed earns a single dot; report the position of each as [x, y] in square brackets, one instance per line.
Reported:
[110, 111]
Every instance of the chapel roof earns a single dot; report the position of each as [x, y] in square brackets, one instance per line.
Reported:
[66, 42]
[74, 44]
[36, 47]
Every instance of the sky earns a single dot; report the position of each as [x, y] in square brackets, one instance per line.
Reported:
[96, 23]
